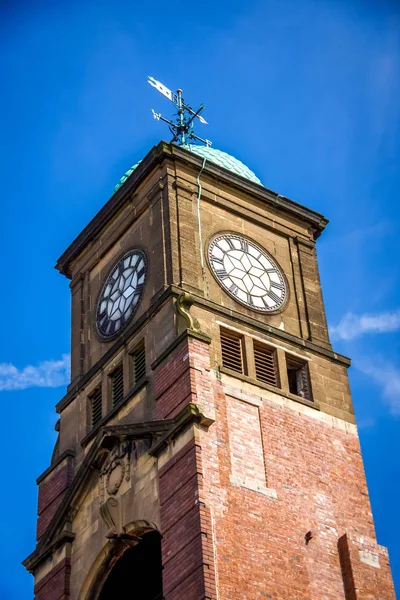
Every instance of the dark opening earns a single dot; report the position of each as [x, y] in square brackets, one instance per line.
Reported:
[292, 377]
[138, 573]
[298, 378]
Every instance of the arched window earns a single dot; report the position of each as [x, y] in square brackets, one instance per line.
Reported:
[138, 573]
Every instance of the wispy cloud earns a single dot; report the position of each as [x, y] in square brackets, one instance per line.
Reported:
[353, 326]
[366, 423]
[50, 373]
[388, 377]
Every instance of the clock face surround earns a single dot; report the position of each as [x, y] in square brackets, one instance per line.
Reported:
[121, 293]
[247, 272]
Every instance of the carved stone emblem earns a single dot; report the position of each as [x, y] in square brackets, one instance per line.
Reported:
[110, 512]
[115, 476]
[115, 471]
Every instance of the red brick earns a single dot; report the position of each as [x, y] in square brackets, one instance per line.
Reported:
[56, 584]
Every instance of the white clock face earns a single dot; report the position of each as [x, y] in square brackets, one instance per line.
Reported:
[121, 293]
[247, 272]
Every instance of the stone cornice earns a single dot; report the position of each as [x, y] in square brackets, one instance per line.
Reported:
[77, 386]
[157, 154]
[269, 330]
[174, 291]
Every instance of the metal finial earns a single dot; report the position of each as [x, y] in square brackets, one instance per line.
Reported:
[182, 128]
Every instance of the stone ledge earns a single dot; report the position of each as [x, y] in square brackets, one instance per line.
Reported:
[264, 386]
[289, 401]
[78, 384]
[253, 486]
[279, 334]
[189, 415]
[369, 558]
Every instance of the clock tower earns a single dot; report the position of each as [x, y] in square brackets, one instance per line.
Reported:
[207, 446]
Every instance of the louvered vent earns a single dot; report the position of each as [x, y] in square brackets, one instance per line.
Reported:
[96, 406]
[117, 384]
[138, 364]
[265, 363]
[298, 377]
[232, 351]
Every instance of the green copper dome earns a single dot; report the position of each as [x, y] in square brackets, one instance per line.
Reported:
[215, 156]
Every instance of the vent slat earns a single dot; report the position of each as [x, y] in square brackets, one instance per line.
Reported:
[264, 368]
[117, 385]
[96, 402]
[265, 364]
[266, 361]
[138, 364]
[232, 351]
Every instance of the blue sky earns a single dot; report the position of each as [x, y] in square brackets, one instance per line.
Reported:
[304, 92]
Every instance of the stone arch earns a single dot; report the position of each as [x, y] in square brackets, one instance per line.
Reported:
[113, 554]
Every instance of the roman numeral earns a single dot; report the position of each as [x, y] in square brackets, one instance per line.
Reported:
[274, 297]
[233, 288]
[244, 245]
[278, 286]
[219, 262]
[229, 241]
[222, 274]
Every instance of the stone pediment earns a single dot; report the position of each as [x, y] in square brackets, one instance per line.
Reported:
[107, 466]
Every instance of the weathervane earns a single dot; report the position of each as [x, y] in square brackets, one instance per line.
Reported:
[182, 128]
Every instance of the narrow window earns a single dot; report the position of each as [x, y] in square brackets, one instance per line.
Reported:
[117, 384]
[266, 365]
[138, 364]
[96, 408]
[232, 351]
[298, 377]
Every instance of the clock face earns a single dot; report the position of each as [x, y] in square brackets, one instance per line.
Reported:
[247, 272]
[121, 293]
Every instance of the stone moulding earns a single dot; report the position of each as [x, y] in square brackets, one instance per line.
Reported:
[109, 555]
[158, 433]
[183, 306]
[174, 292]
[168, 151]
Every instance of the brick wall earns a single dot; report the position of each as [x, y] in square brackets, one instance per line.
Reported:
[238, 500]
[271, 471]
[52, 489]
[172, 383]
[246, 449]
[187, 548]
[316, 483]
[365, 569]
[55, 585]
